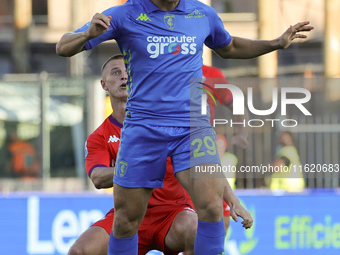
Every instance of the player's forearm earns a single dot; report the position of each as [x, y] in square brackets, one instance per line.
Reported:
[102, 177]
[242, 48]
[228, 194]
[71, 44]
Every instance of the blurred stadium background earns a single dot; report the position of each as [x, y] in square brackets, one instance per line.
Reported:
[54, 103]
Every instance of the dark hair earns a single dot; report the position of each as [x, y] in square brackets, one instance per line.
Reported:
[114, 57]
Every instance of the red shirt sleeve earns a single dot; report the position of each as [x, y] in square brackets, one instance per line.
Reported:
[96, 153]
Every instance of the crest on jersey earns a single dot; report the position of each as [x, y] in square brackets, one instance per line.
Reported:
[122, 168]
[170, 21]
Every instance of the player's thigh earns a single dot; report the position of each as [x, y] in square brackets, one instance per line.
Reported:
[132, 201]
[141, 159]
[206, 194]
[130, 206]
[181, 235]
[94, 241]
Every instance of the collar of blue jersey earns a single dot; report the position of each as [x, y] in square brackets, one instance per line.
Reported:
[150, 7]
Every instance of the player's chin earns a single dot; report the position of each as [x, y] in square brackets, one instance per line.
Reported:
[123, 90]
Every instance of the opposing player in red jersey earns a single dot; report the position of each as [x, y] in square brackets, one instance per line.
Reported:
[170, 223]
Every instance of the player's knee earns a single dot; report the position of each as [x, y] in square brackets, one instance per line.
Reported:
[76, 250]
[182, 233]
[187, 225]
[125, 226]
[212, 210]
[215, 209]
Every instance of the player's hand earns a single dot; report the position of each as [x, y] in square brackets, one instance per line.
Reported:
[292, 33]
[240, 141]
[99, 24]
[238, 210]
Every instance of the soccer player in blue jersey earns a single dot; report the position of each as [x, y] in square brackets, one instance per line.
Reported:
[162, 43]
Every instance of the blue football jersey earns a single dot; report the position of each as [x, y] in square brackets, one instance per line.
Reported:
[163, 56]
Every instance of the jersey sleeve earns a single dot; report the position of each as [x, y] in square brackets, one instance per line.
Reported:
[112, 33]
[218, 37]
[96, 153]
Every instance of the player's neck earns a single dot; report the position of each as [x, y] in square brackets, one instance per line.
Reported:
[166, 5]
[119, 111]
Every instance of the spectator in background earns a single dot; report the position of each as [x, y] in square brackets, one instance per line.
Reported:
[23, 160]
[287, 156]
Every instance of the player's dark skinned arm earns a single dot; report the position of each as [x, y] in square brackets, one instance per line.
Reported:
[102, 177]
[241, 48]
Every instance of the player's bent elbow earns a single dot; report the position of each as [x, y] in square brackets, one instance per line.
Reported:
[60, 50]
[223, 54]
[96, 180]
[101, 183]
[97, 183]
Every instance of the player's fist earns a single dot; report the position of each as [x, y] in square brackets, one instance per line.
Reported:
[98, 25]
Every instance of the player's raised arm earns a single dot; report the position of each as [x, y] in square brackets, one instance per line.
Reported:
[72, 43]
[240, 48]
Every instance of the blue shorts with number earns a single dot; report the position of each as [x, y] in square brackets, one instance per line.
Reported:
[143, 151]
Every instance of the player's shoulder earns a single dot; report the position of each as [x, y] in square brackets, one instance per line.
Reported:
[129, 13]
[127, 8]
[98, 133]
[195, 4]
[109, 126]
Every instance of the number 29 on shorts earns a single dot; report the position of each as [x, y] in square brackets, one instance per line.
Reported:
[203, 147]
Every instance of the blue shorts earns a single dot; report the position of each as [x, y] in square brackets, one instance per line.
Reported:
[143, 150]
